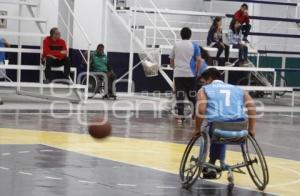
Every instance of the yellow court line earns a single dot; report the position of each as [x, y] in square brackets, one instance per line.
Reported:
[163, 156]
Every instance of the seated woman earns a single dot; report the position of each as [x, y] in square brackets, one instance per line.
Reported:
[215, 40]
[235, 39]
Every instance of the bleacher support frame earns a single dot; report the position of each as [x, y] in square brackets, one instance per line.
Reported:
[19, 50]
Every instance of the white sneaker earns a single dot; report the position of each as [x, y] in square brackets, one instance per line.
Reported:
[228, 64]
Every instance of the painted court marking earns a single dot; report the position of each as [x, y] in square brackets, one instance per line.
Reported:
[25, 173]
[128, 185]
[52, 178]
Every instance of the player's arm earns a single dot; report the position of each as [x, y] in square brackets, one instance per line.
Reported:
[251, 111]
[198, 63]
[200, 111]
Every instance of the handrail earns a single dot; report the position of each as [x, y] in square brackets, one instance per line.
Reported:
[77, 22]
[149, 18]
[164, 19]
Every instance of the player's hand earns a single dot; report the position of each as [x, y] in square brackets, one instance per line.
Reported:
[197, 133]
[252, 132]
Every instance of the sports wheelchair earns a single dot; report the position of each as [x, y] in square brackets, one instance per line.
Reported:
[232, 133]
[96, 85]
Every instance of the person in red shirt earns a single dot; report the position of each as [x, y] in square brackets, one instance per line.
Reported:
[55, 54]
[242, 17]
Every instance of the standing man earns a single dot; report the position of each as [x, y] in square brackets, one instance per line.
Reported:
[55, 54]
[221, 102]
[242, 17]
[3, 44]
[99, 63]
[185, 58]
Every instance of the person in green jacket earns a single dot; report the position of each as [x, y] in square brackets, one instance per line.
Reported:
[99, 63]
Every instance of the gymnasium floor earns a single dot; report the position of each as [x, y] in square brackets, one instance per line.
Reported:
[42, 155]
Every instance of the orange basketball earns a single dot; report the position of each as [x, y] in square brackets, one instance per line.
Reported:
[100, 128]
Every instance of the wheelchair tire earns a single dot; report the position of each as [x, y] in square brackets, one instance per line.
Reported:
[93, 85]
[260, 176]
[187, 180]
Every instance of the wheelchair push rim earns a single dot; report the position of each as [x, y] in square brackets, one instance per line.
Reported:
[257, 165]
[93, 85]
[192, 161]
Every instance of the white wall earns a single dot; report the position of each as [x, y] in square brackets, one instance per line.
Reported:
[89, 14]
[49, 10]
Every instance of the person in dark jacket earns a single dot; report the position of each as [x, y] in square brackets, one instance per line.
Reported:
[215, 40]
[235, 39]
[242, 17]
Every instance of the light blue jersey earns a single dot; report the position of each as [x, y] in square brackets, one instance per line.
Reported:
[2, 54]
[225, 102]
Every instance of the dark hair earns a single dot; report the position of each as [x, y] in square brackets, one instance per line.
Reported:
[216, 20]
[186, 33]
[231, 26]
[52, 31]
[100, 46]
[212, 73]
[244, 5]
[205, 55]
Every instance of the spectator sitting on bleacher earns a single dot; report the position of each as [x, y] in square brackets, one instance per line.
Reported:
[215, 40]
[99, 63]
[55, 54]
[235, 39]
[3, 44]
[243, 17]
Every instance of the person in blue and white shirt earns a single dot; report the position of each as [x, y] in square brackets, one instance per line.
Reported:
[185, 58]
[3, 44]
[221, 102]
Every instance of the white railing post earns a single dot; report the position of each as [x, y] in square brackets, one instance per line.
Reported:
[19, 61]
[105, 23]
[154, 30]
[86, 89]
[131, 56]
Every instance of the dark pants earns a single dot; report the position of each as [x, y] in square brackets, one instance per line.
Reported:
[245, 30]
[110, 81]
[185, 87]
[51, 62]
[221, 48]
[243, 51]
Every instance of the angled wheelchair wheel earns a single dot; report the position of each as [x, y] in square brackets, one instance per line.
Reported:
[256, 163]
[193, 160]
[93, 85]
